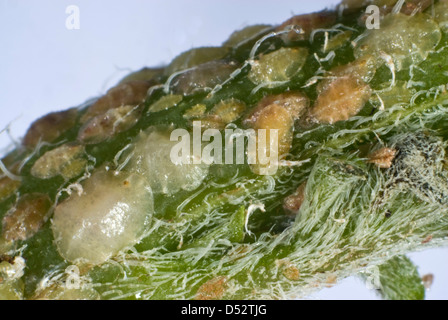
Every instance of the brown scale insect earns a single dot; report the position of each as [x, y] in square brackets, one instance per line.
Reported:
[220, 115]
[114, 121]
[203, 77]
[279, 65]
[410, 7]
[8, 187]
[50, 127]
[278, 112]
[382, 158]
[27, 217]
[343, 92]
[427, 239]
[66, 160]
[289, 270]
[6, 258]
[165, 102]
[213, 289]
[129, 93]
[308, 22]
[340, 98]
[195, 57]
[427, 280]
[293, 202]
[294, 102]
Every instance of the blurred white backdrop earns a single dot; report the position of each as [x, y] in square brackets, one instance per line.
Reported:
[46, 67]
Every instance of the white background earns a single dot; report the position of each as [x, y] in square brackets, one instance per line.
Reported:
[45, 67]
